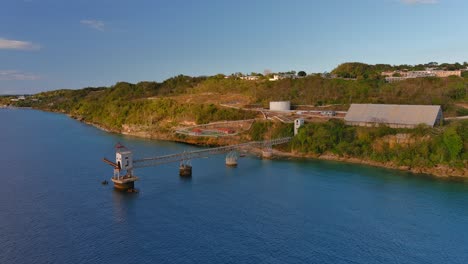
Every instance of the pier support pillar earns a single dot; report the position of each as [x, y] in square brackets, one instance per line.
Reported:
[185, 169]
[124, 183]
[231, 159]
[124, 186]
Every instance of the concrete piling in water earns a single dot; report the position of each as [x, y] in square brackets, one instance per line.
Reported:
[124, 183]
[185, 170]
[231, 159]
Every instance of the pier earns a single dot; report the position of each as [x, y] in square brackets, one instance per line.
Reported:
[124, 165]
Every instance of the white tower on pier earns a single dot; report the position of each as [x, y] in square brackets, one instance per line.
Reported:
[124, 161]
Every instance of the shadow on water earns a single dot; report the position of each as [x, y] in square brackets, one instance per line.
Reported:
[122, 202]
[185, 179]
[124, 196]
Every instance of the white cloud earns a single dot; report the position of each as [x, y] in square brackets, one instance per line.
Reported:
[419, 2]
[12, 75]
[17, 45]
[94, 24]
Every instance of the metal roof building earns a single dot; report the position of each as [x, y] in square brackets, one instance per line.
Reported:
[406, 116]
[280, 106]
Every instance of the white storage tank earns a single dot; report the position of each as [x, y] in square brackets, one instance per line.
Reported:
[280, 106]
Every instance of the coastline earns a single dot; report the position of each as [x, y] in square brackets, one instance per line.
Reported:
[438, 171]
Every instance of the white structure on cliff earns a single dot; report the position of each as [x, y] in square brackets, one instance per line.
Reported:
[297, 124]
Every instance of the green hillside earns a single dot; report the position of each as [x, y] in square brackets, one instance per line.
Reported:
[158, 108]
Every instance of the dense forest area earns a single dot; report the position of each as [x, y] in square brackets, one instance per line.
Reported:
[420, 147]
[423, 147]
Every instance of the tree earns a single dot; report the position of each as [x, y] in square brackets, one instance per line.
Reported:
[453, 142]
[302, 74]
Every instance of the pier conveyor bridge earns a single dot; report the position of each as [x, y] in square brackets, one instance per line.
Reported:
[124, 164]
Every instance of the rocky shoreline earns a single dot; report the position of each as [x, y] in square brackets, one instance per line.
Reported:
[438, 171]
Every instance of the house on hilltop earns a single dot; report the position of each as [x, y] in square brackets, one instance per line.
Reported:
[397, 116]
[394, 76]
[250, 78]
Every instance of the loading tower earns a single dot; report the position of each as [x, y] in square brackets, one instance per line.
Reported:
[123, 178]
[124, 164]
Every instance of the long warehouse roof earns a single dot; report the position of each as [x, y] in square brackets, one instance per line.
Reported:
[393, 114]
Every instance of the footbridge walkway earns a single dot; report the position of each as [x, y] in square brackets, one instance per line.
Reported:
[183, 156]
[124, 164]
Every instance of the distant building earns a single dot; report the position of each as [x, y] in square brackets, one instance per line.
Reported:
[393, 76]
[420, 74]
[19, 98]
[281, 76]
[280, 106]
[288, 76]
[276, 77]
[395, 79]
[447, 73]
[397, 116]
[328, 113]
[250, 77]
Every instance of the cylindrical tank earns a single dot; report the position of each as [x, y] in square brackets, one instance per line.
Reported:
[280, 106]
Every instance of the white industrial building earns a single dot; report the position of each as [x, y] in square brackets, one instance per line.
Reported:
[398, 116]
[280, 106]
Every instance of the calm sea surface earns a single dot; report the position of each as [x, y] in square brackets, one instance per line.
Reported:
[53, 208]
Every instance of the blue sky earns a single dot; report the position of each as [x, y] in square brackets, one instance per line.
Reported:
[54, 44]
